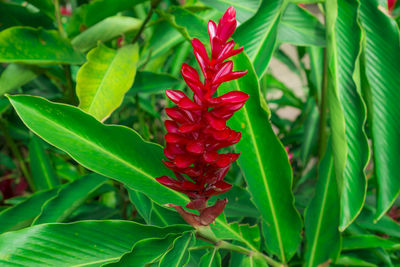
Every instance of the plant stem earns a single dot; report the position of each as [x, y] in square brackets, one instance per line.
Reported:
[58, 18]
[207, 235]
[154, 4]
[17, 154]
[322, 142]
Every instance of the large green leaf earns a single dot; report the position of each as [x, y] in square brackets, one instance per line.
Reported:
[179, 254]
[244, 10]
[113, 151]
[76, 244]
[369, 241]
[13, 14]
[70, 197]
[299, 27]
[265, 165]
[43, 173]
[258, 35]
[322, 217]
[45, 6]
[150, 82]
[36, 46]
[87, 15]
[146, 251]
[22, 214]
[211, 259]
[382, 56]
[16, 75]
[385, 225]
[104, 31]
[347, 111]
[104, 79]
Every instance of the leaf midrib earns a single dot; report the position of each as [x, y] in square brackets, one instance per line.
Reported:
[264, 179]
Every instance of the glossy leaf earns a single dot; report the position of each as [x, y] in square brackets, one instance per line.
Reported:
[353, 261]
[70, 197]
[89, 14]
[36, 46]
[150, 82]
[244, 10]
[368, 241]
[322, 217]
[254, 261]
[43, 173]
[113, 151]
[211, 258]
[146, 251]
[13, 14]
[105, 78]
[385, 225]
[258, 35]
[16, 75]
[179, 254]
[45, 6]
[349, 141]
[22, 214]
[382, 58]
[267, 171]
[299, 27]
[81, 243]
[104, 31]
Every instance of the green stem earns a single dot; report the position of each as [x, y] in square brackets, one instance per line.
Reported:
[205, 233]
[323, 135]
[154, 4]
[58, 18]
[17, 154]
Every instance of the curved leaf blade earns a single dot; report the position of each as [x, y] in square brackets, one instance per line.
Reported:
[16, 75]
[70, 197]
[81, 243]
[322, 217]
[265, 165]
[179, 255]
[382, 58]
[347, 110]
[244, 10]
[258, 35]
[104, 31]
[101, 148]
[211, 259]
[23, 213]
[43, 173]
[36, 46]
[105, 78]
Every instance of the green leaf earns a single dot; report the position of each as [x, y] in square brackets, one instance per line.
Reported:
[189, 24]
[146, 251]
[12, 14]
[88, 15]
[81, 243]
[254, 261]
[322, 217]
[368, 241]
[265, 165]
[382, 58]
[16, 75]
[211, 259]
[346, 260]
[349, 141]
[43, 173]
[258, 35]
[300, 27]
[104, 79]
[153, 213]
[101, 148]
[22, 214]
[385, 225]
[104, 31]
[151, 82]
[179, 254]
[244, 10]
[70, 197]
[244, 233]
[45, 6]
[36, 46]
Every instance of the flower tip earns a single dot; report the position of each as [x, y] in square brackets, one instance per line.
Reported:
[231, 11]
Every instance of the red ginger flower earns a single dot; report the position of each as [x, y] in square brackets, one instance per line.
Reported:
[198, 127]
[391, 5]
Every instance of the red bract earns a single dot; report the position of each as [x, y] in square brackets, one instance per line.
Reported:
[391, 5]
[197, 129]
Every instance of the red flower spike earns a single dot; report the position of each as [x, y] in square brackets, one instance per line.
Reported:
[391, 5]
[197, 129]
